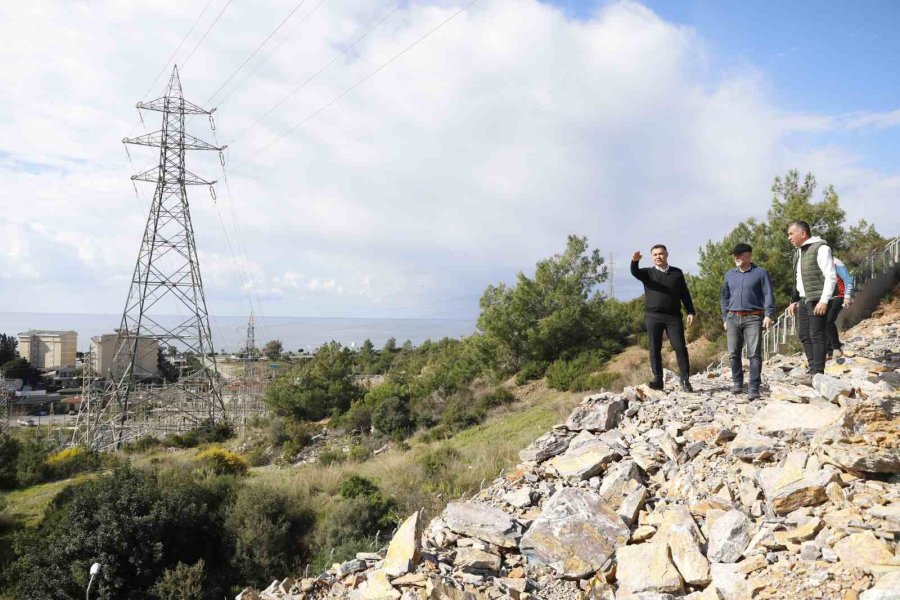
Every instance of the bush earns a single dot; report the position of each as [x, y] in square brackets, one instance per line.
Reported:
[184, 582]
[434, 462]
[269, 527]
[357, 518]
[71, 461]
[136, 523]
[223, 462]
[331, 456]
[207, 433]
[437, 433]
[460, 414]
[31, 467]
[143, 444]
[498, 397]
[530, 371]
[572, 375]
[602, 380]
[359, 453]
[9, 456]
[391, 417]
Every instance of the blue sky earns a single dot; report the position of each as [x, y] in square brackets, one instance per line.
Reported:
[439, 169]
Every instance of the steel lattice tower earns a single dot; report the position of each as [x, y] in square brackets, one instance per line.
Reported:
[166, 306]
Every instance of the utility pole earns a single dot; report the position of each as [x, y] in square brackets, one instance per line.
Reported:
[611, 272]
[166, 282]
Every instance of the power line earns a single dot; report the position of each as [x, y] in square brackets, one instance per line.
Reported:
[266, 57]
[208, 29]
[371, 74]
[317, 73]
[258, 48]
[183, 40]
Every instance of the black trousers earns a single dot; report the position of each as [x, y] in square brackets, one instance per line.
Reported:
[811, 330]
[674, 328]
[832, 341]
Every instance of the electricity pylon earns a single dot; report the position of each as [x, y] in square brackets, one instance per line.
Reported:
[146, 393]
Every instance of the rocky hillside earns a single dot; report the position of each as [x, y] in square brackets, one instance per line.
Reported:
[660, 495]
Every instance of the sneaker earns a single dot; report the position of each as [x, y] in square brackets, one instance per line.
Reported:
[655, 385]
[737, 388]
[686, 385]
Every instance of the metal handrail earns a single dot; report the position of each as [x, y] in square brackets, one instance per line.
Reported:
[876, 263]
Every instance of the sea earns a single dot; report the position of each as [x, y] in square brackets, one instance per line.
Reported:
[230, 332]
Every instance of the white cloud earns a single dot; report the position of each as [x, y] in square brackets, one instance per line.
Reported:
[465, 160]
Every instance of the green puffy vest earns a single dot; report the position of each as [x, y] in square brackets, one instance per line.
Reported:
[813, 277]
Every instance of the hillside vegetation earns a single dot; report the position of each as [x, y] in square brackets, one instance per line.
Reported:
[356, 439]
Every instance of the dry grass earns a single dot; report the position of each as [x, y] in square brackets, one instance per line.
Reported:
[481, 453]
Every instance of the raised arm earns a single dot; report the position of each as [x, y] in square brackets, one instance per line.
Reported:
[638, 273]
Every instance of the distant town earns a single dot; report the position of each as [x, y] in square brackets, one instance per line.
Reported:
[43, 372]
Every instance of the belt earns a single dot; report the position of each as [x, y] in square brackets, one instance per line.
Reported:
[747, 313]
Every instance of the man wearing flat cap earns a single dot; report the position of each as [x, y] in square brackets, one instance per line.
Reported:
[748, 305]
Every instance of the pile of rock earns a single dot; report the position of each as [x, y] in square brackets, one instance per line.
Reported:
[655, 495]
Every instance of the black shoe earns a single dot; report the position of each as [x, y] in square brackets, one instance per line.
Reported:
[753, 395]
[686, 385]
[655, 385]
[737, 388]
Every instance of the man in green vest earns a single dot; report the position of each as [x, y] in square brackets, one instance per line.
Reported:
[814, 285]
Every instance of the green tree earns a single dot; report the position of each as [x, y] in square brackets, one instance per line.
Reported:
[273, 349]
[20, 368]
[367, 359]
[792, 200]
[558, 312]
[316, 388]
[8, 345]
[9, 456]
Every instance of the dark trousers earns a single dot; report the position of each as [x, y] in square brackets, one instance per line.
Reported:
[674, 328]
[811, 329]
[832, 341]
[745, 330]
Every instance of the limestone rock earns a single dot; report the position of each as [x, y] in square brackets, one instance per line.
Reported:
[681, 533]
[599, 413]
[376, 587]
[791, 393]
[752, 446]
[575, 534]
[546, 446]
[472, 559]
[729, 582]
[788, 489]
[614, 486]
[632, 504]
[728, 537]
[586, 457]
[520, 498]
[886, 588]
[865, 551]
[778, 416]
[403, 551]
[864, 438]
[483, 522]
[646, 568]
[830, 387]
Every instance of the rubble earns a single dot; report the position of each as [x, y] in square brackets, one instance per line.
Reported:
[664, 495]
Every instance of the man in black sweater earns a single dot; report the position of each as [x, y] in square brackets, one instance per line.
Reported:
[665, 290]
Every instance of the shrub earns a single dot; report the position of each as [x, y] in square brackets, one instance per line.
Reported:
[460, 414]
[183, 582]
[71, 461]
[31, 467]
[435, 462]
[437, 433]
[358, 517]
[359, 453]
[223, 462]
[498, 397]
[391, 417]
[207, 433]
[331, 456]
[9, 455]
[143, 444]
[572, 375]
[602, 380]
[530, 371]
[269, 527]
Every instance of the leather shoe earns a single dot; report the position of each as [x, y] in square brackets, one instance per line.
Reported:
[737, 388]
[753, 395]
[686, 385]
[655, 385]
